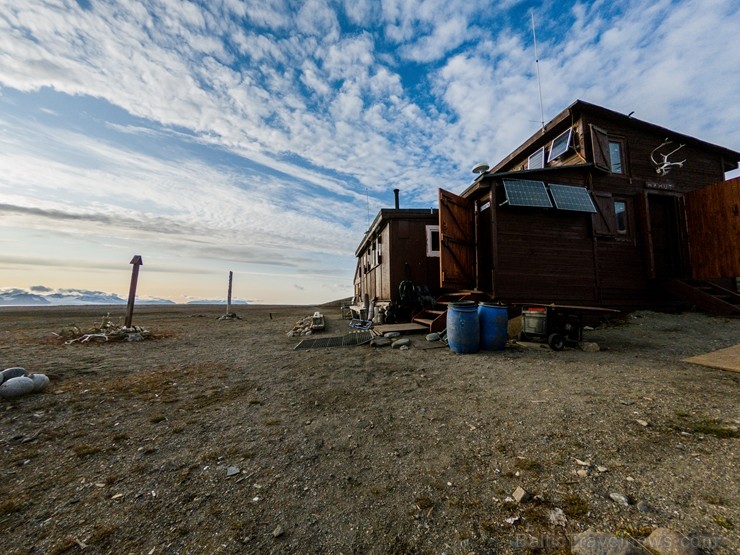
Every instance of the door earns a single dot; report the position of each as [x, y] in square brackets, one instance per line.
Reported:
[456, 241]
[667, 237]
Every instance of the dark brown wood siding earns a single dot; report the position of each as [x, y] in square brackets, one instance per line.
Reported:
[408, 255]
[557, 256]
[701, 167]
[457, 241]
[401, 255]
[544, 256]
[713, 219]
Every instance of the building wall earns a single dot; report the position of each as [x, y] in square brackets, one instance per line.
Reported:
[701, 168]
[543, 256]
[408, 254]
[402, 254]
[713, 215]
[556, 256]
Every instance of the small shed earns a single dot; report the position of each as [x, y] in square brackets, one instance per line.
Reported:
[397, 261]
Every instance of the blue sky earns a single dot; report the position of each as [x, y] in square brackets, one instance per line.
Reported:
[261, 136]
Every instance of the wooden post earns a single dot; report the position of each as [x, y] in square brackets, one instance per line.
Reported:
[228, 298]
[136, 261]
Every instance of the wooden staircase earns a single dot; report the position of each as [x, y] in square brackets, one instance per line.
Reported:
[707, 296]
[435, 318]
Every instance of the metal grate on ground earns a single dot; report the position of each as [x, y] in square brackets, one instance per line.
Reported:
[354, 338]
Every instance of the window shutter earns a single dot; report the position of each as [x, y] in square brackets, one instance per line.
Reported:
[603, 221]
[600, 148]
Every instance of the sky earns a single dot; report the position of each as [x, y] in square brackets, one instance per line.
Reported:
[262, 136]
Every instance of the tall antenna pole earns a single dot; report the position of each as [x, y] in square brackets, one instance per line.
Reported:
[537, 65]
[367, 200]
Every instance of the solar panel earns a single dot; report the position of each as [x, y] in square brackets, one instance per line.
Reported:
[567, 197]
[524, 192]
[536, 160]
[559, 145]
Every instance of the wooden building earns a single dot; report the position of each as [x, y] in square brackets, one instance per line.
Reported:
[397, 262]
[598, 208]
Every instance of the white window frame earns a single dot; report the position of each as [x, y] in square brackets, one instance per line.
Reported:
[430, 229]
[554, 155]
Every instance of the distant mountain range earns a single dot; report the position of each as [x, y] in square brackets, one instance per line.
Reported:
[45, 296]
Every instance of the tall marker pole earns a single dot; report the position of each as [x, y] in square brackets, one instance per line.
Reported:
[228, 298]
[136, 261]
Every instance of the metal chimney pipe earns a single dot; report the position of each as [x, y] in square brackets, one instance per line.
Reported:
[395, 194]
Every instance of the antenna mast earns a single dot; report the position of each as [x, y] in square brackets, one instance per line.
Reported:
[537, 65]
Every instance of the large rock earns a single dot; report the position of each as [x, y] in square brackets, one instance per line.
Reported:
[669, 542]
[16, 387]
[40, 381]
[591, 542]
[14, 372]
[380, 342]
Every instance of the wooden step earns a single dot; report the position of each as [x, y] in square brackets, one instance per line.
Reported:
[707, 296]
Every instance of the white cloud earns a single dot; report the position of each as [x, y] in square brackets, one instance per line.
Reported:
[316, 18]
[445, 36]
[415, 94]
[133, 193]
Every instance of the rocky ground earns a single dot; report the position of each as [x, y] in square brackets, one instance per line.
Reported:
[215, 436]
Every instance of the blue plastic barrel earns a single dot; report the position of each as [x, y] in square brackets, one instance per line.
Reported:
[463, 327]
[494, 326]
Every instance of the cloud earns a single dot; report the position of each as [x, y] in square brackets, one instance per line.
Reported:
[658, 60]
[262, 131]
[40, 289]
[123, 192]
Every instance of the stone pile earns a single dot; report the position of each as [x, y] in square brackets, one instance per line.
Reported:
[302, 327]
[229, 316]
[106, 330]
[16, 382]
[393, 339]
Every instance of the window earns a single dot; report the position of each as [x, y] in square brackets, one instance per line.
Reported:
[537, 160]
[608, 152]
[560, 145]
[615, 156]
[614, 216]
[620, 215]
[432, 240]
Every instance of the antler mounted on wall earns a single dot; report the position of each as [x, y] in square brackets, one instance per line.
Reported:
[662, 168]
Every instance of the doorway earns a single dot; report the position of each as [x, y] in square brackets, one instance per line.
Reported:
[666, 236]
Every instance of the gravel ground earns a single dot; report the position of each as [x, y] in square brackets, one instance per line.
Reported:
[217, 437]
